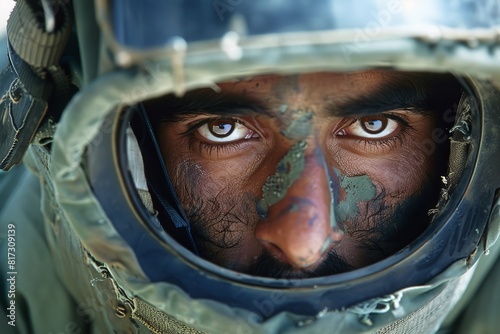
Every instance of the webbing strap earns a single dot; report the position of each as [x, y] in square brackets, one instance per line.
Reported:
[34, 76]
[21, 111]
[430, 316]
[29, 39]
[158, 322]
[36, 86]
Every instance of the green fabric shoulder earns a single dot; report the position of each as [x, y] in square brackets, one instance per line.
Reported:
[38, 301]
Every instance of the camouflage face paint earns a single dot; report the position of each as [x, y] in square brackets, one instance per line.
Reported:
[283, 108]
[299, 126]
[333, 200]
[357, 189]
[291, 166]
[287, 172]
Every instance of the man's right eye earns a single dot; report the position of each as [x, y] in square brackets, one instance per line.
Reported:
[372, 128]
[226, 130]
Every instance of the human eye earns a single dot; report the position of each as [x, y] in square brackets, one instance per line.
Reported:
[375, 127]
[223, 130]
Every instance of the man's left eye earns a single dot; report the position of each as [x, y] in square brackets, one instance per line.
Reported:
[371, 127]
[225, 131]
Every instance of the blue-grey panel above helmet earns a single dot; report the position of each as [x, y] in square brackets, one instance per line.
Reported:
[156, 23]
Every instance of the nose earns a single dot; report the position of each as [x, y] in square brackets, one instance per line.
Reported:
[300, 226]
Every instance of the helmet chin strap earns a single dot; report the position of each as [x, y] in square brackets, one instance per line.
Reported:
[170, 213]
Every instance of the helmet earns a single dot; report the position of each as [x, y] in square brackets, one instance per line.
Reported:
[118, 204]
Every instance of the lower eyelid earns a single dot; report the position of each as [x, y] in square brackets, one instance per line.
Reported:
[359, 145]
[400, 123]
[377, 146]
[218, 149]
[249, 133]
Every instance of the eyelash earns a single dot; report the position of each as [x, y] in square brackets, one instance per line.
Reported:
[219, 148]
[387, 142]
[209, 148]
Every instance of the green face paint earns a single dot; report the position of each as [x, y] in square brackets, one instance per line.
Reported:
[287, 172]
[299, 128]
[283, 108]
[358, 189]
[289, 169]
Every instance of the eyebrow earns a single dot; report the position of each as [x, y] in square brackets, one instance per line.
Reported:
[207, 101]
[404, 93]
[421, 94]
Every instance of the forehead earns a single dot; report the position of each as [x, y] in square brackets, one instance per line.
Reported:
[344, 94]
[338, 86]
[323, 93]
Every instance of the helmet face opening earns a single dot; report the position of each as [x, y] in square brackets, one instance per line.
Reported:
[374, 147]
[307, 175]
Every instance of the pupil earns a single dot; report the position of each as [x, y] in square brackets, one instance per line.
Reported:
[374, 125]
[221, 128]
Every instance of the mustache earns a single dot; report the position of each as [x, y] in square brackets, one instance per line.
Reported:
[266, 265]
[219, 223]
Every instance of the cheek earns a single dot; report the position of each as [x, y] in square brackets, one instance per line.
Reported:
[401, 173]
[374, 186]
[407, 173]
[382, 206]
[221, 210]
[402, 168]
[350, 192]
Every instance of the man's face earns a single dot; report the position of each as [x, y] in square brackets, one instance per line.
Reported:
[307, 175]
